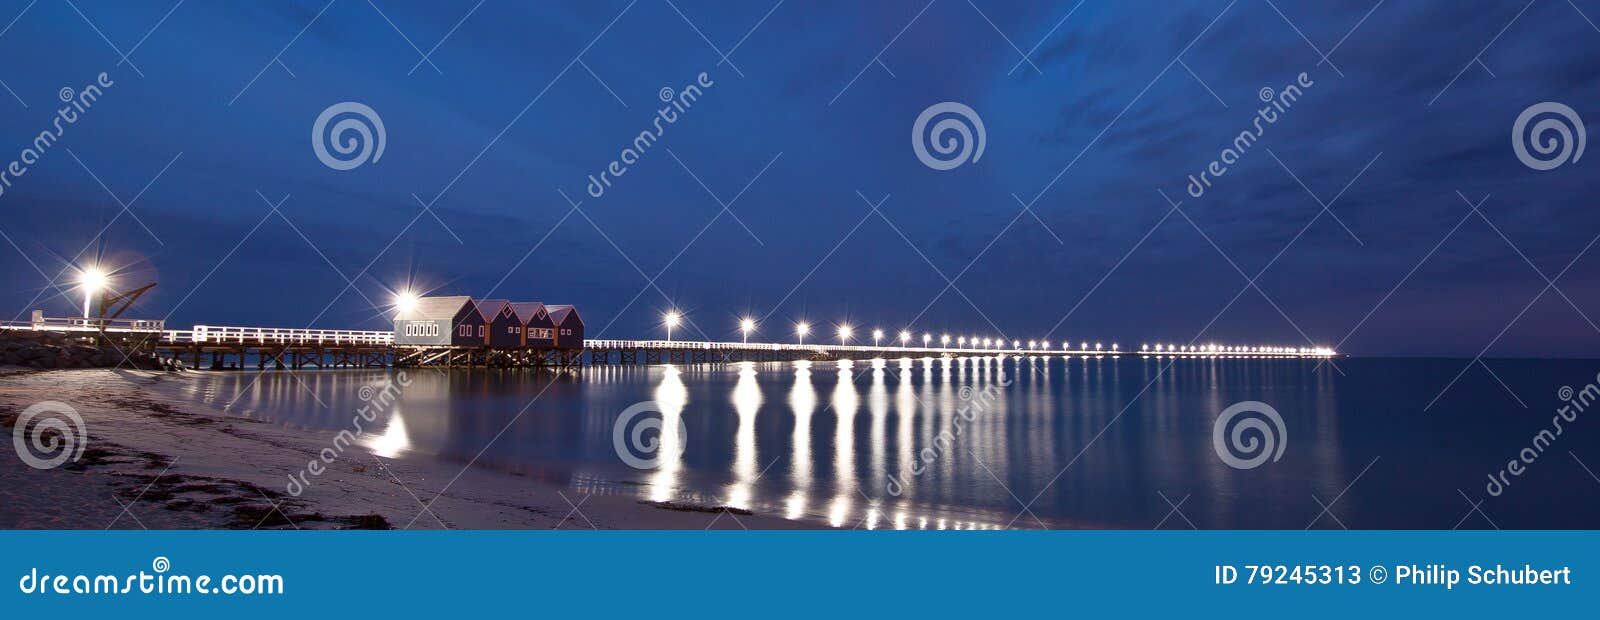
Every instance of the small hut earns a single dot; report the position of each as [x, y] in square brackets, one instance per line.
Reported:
[569, 326]
[539, 332]
[443, 321]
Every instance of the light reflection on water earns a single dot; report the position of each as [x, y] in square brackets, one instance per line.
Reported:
[823, 440]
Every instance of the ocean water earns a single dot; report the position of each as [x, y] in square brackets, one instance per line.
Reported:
[1127, 443]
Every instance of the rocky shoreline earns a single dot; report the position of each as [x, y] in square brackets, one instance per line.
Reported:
[51, 350]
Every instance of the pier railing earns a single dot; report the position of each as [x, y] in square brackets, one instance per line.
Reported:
[74, 324]
[215, 334]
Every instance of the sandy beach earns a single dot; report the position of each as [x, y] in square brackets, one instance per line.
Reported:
[155, 460]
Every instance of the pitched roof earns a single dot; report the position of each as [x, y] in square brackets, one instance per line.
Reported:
[558, 313]
[439, 308]
[526, 309]
[490, 308]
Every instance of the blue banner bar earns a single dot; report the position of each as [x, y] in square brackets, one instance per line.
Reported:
[815, 574]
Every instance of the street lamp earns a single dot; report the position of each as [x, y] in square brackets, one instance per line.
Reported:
[747, 325]
[92, 280]
[405, 302]
[671, 319]
[801, 329]
[905, 338]
[844, 333]
[877, 334]
[944, 340]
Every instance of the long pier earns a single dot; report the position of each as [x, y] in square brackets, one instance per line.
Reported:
[235, 348]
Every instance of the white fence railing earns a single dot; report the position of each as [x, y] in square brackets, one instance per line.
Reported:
[216, 334]
[213, 334]
[690, 345]
[74, 324]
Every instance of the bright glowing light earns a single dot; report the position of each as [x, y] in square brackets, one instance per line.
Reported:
[801, 329]
[877, 334]
[1045, 345]
[905, 337]
[926, 338]
[845, 331]
[405, 302]
[671, 319]
[747, 325]
[944, 339]
[962, 341]
[92, 280]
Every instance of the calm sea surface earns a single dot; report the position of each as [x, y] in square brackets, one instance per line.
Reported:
[1060, 443]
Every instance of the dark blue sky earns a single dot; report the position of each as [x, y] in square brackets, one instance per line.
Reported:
[1092, 136]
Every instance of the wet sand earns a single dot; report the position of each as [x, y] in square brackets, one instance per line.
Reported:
[158, 461]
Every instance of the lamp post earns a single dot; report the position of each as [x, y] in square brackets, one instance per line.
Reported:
[877, 334]
[746, 326]
[405, 302]
[844, 334]
[671, 319]
[801, 329]
[92, 280]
